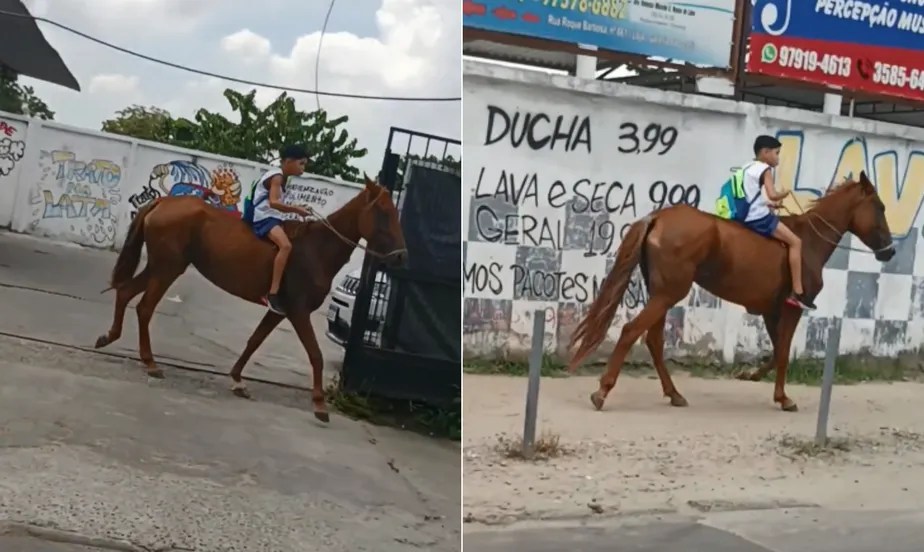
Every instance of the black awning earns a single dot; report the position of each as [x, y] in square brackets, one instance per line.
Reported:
[23, 47]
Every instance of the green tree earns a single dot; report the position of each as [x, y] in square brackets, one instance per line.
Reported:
[19, 99]
[147, 123]
[257, 135]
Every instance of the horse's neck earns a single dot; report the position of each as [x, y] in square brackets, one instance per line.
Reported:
[822, 228]
[338, 251]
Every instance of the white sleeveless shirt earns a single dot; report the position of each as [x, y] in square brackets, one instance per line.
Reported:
[262, 209]
[754, 192]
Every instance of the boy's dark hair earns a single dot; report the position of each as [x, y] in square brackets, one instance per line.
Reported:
[293, 151]
[765, 142]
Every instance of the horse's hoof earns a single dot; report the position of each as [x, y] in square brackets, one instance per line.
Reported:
[241, 392]
[155, 373]
[597, 398]
[322, 416]
[678, 400]
[102, 341]
[789, 406]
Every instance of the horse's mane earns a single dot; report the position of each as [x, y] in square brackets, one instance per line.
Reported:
[834, 193]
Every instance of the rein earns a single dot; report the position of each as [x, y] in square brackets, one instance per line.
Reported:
[810, 213]
[323, 220]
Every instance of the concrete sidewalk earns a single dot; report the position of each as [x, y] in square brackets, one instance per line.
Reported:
[51, 291]
[93, 450]
[797, 530]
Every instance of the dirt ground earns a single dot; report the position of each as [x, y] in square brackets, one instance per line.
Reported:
[732, 448]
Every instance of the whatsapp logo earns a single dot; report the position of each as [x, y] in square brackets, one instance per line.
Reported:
[768, 53]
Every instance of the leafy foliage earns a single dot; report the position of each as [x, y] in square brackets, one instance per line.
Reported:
[145, 123]
[19, 99]
[257, 135]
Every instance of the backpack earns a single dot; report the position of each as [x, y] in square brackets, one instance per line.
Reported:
[248, 211]
[732, 203]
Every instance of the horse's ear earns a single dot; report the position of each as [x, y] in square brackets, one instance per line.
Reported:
[865, 184]
[370, 184]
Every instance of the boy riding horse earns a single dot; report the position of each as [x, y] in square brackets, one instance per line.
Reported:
[267, 208]
[758, 177]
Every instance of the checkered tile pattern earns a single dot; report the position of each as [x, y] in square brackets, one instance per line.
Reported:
[877, 308]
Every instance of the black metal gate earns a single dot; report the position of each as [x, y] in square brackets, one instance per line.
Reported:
[404, 340]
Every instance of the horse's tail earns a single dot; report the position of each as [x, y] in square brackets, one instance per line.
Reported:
[592, 330]
[130, 256]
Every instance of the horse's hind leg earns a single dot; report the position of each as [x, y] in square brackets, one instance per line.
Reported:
[266, 327]
[655, 342]
[124, 295]
[158, 284]
[655, 310]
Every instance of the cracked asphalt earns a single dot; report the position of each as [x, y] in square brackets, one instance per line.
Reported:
[95, 456]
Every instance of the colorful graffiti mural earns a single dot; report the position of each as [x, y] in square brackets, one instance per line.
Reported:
[902, 196]
[80, 195]
[220, 187]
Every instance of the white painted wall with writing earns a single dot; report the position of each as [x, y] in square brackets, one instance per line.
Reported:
[84, 187]
[557, 169]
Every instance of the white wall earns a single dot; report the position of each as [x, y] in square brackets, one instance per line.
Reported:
[84, 187]
[533, 240]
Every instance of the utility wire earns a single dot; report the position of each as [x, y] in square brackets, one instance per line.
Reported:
[317, 57]
[224, 77]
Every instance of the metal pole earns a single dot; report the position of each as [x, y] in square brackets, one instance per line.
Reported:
[532, 389]
[827, 382]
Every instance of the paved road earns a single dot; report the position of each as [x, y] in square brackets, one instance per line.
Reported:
[52, 291]
[92, 452]
[797, 530]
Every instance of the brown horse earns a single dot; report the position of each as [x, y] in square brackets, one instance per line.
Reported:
[678, 246]
[183, 231]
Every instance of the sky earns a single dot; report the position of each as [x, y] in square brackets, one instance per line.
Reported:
[378, 47]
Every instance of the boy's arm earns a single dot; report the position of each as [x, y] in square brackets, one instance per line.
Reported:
[770, 189]
[275, 198]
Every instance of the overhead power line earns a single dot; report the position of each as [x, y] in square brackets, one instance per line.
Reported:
[225, 77]
[317, 57]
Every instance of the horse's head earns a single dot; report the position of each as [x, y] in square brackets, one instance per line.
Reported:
[378, 224]
[867, 218]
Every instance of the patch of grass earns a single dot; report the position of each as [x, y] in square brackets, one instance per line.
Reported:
[848, 370]
[552, 367]
[793, 447]
[425, 419]
[547, 446]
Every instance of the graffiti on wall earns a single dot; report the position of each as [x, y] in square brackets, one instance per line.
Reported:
[307, 192]
[902, 191]
[11, 149]
[220, 187]
[546, 213]
[80, 194]
[557, 178]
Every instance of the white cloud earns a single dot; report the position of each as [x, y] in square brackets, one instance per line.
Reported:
[247, 44]
[114, 83]
[375, 47]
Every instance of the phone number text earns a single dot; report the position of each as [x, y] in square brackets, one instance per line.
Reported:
[813, 62]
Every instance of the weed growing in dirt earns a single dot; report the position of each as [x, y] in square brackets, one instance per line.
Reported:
[552, 367]
[548, 445]
[792, 447]
[415, 416]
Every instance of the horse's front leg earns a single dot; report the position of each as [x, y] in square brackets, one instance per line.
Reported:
[301, 321]
[266, 327]
[789, 319]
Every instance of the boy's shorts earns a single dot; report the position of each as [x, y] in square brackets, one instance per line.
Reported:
[765, 226]
[262, 227]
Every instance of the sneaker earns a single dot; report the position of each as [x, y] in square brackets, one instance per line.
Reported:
[272, 301]
[800, 301]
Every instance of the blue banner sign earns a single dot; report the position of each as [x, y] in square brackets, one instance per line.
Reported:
[698, 32]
